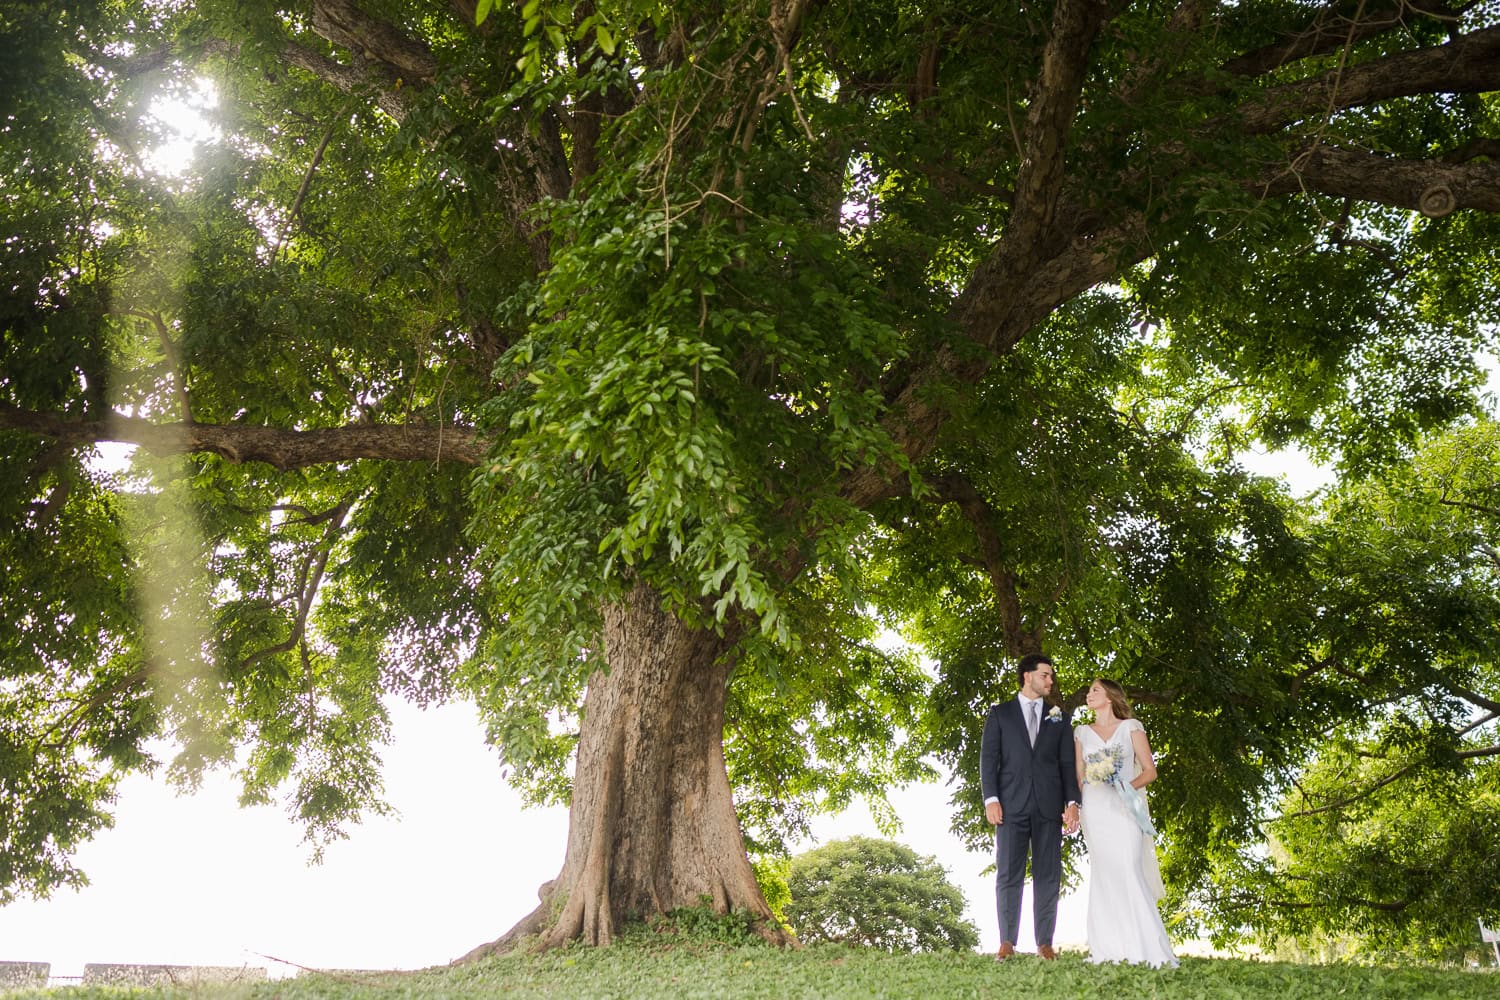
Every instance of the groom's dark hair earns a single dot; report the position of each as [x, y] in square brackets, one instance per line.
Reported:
[1030, 662]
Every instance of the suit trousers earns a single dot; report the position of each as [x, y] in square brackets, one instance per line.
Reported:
[1042, 837]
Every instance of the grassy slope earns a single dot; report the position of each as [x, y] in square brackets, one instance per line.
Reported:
[664, 971]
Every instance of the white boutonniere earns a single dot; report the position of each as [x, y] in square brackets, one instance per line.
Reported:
[1054, 714]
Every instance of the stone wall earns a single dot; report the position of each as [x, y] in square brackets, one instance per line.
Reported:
[19, 975]
[107, 974]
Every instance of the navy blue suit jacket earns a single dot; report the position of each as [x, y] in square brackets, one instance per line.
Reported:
[1037, 779]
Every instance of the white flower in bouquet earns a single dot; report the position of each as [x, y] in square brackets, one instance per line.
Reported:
[1102, 767]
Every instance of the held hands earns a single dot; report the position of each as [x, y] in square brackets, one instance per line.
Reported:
[1070, 819]
[996, 816]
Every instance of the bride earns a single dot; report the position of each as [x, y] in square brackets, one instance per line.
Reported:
[1114, 763]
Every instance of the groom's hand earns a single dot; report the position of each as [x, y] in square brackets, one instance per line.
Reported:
[993, 813]
[1070, 819]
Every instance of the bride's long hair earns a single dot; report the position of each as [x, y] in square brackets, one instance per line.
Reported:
[1117, 700]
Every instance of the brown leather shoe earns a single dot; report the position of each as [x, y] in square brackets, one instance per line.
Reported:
[1045, 951]
[1006, 950]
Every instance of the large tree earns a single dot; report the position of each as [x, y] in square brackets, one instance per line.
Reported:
[590, 359]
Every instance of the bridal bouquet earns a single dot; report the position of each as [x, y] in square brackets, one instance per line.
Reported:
[1102, 767]
[1106, 766]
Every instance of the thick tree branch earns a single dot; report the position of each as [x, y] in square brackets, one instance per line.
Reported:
[1472, 697]
[1033, 268]
[955, 488]
[1473, 150]
[1051, 109]
[593, 109]
[994, 315]
[385, 60]
[346, 24]
[1470, 64]
[1337, 25]
[1432, 187]
[354, 79]
[283, 449]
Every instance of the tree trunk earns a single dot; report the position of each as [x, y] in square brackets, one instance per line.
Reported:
[652, 826]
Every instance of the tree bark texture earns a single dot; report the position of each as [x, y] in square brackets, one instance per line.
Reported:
[652, 827]
[278, 447]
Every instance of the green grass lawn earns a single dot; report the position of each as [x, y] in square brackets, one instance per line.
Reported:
[669, 970]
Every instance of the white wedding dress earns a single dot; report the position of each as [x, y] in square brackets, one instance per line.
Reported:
[1124, 880]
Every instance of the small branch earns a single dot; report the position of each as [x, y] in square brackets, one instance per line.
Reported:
[75, 716]
[291, 219]
[174, 358]
[1301, 678]
[308, 517]
[1185, 24]
[1349, 800]
[1398, 774]
[1395, 906]
[1477, 508]
[57, 498]
[309, 580]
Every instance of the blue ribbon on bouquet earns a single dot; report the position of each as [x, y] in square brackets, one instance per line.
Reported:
[1135, 804]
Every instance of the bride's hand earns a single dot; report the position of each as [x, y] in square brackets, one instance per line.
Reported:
[1070, 819]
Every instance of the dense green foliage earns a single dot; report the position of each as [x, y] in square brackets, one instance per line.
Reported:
[877, 894]
[811, 321]
[1387, 839]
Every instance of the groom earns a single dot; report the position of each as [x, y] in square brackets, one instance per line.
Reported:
[1030, 795]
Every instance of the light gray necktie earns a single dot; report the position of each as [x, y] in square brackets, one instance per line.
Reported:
[1033, 719]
